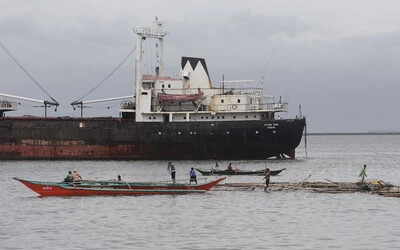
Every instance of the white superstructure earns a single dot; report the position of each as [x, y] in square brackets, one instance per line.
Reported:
[191, 97]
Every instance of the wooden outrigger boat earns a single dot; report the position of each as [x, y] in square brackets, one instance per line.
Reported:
[237, 172]
[86, 188]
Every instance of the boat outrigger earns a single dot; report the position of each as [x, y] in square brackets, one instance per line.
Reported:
[87, 187]
[238, 172]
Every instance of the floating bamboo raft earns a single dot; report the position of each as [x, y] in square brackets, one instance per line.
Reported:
[330, 187]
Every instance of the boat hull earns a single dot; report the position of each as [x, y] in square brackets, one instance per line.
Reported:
[120, 188]
[238, 172]
[112, 138]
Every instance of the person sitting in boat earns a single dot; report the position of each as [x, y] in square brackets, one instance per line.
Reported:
[68, 178]
[229, 167]
[193, 176]
[76, 177]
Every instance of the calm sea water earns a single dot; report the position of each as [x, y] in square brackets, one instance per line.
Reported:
[217, 219]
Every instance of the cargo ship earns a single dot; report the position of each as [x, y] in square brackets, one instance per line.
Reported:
[180, 117]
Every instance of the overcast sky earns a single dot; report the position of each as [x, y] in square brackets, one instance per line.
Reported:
[338, 59]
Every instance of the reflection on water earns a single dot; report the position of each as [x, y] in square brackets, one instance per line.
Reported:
[217, 219]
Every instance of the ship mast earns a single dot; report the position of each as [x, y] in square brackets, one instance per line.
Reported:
[143, 34]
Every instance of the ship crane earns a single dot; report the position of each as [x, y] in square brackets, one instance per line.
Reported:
[81, 103]
[46, 103]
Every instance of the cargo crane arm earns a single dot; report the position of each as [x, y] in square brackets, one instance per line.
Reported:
[46, 103]
[81, 103]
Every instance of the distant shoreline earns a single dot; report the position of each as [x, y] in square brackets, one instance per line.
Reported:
[360, 133]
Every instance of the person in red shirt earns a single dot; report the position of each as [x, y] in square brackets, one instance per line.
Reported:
[229, 166]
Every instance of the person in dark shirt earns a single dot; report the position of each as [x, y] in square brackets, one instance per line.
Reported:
[68, 178]
[172, 170]
[266, 177]
[193, 176]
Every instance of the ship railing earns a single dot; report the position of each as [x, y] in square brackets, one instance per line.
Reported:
[128, 105]
[6, 105]
[210, 91]
[241, 91]
[224, 107]
[243, 107]
[283, 107]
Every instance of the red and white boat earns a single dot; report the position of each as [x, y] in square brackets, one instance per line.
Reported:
[87, 188]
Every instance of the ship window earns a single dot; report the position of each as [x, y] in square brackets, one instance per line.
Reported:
[149, 117]
[247, 116]
[179, 133]
[212, 117]
[202, 117]
[191, 132]
[169, 85]
[206, 117]
[144, 93]
[163, 86]
[255, 116]
[222, 100]
[234, 116]
[238, 100]
[159, 102]
[223, 117]
[251, 100]
[256, 132]
[184, 118]
[217, 117]
[227, 132]
[154, 117]
[159, 133]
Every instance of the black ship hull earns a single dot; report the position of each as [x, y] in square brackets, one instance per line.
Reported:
[113, 138]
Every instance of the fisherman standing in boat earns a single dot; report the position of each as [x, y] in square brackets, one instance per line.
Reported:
[266, 177]
[172, 170]
[363, 174]
[193, 176]
[229, 167]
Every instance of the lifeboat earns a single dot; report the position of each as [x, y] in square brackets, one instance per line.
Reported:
[180, 97]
